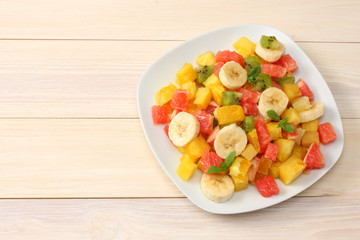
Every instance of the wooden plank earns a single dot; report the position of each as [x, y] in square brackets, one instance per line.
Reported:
[175, 20]
[60, 79]
[66, 158]
[297, 218]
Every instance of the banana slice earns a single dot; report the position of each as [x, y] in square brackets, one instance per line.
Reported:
[217, 187]
[316, 111]
[232, 75]
[230, 138]
[269, 55]
[183, 128]
[272, 99]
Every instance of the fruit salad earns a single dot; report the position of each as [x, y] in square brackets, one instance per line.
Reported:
[241, 117]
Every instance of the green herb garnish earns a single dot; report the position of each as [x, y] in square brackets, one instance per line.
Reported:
[282, 123]
[224, 165]
[286, 126]
[273, 115]
[253, 74]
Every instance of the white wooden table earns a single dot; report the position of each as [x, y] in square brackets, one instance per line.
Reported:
[74, 162]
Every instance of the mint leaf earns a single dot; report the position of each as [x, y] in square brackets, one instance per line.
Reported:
[253, 74]
[223, 165]
[283, 121]
[229, 159]
[214, 169]
[273, 115]
[288, 128]
[255, 71]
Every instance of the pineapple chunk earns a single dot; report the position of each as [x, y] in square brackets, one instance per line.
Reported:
[240, 182]
[192, 108]
[264, 166]
[203, 97]
[249, 152]
[253, 139]
[311, 126]
[245, 47]
[240, 166]
[164, 95]
[181, 149]
[187, 157]
[292, 114]
[310, 137]
[259, 176]
[238, 173]
[274, 130]
[285, 148]
[291, 169]
[207, 58]
[230, 114]
[301, 104]
[274, 169]
[191, 87]
[216, 88]
[186, 74]
[299, 151]
[291, 90]
[186, 169]
[196, 148]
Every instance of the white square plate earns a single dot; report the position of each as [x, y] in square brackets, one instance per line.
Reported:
[162, 72]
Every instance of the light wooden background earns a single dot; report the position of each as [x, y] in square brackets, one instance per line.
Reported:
[74, 162]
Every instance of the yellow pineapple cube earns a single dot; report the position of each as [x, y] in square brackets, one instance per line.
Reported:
[249, 152]
[274, 169]
[181, 149]
[230, 114]
[216, 88]
[240, 182]
[299, 151]
[310, 137]
[186, 74]
[301, 104]
[207, 58]
[301, 133]
[216, 92]
[192, 108]
[164, 95]
[187, 157]
[191, 87]
[244, 47]
[186, 169]
[285, 148]
[264, 166]
[291, 90]
[291, 169]
[240, 166]
[212, 80]
[311, 126]
[203, 97]
[292, 114]
[274, 130]
[253, 139]
[197, 147]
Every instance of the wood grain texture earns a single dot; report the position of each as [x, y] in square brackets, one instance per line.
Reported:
[297, 218]
[70, 158]
[324, 20]
[98, 79]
